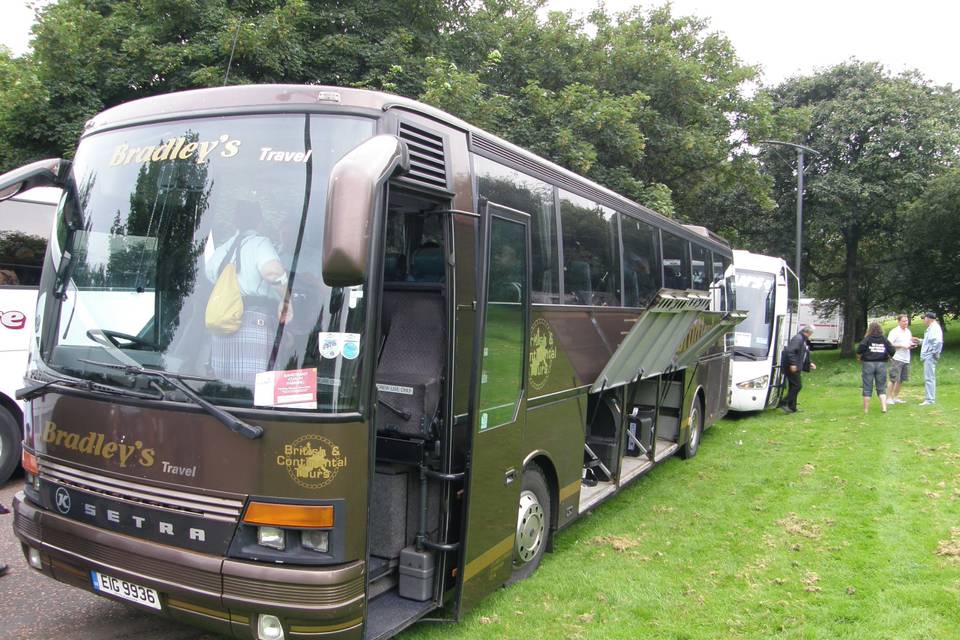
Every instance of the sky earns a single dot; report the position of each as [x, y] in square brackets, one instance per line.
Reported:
[783, 38]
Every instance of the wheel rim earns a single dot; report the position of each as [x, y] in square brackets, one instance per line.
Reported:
[695, 425]
[530, 528]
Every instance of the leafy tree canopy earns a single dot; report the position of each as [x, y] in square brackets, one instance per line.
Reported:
[882, 139]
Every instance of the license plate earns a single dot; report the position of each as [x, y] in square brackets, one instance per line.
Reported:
[126, 590]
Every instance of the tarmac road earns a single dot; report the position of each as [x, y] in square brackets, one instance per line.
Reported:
[35, 607]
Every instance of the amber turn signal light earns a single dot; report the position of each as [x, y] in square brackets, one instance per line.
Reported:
[29, 463]
[289, 515]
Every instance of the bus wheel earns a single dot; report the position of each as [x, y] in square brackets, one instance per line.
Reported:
[9, 445]
[533, 524]
[696, 430]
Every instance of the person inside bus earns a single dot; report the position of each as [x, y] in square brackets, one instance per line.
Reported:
[874, 351]
[796, 358]
[262, 280]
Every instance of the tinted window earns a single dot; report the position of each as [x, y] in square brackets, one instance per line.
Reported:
[521, 192]
[719, 266]
[700, 267]
[676, 262]
[24, 226]
[641, 262]
[591, 252]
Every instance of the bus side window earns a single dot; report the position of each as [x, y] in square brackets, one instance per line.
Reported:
[517, 190]
[24, 226]
[701, 265]
[641, 262]
[676, 262]
[591, 256]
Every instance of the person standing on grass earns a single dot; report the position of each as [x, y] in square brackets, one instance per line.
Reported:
[902, 340]
[930, 356]
[874, 351]
[796, 358]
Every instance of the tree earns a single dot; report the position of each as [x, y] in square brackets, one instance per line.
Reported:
[89, 55]
[927, 279]
[882, 139]
[647, 106]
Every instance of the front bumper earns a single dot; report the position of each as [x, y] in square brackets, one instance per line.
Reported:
[219, 594]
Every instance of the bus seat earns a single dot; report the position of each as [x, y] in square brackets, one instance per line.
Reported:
[411, 361]
[394, 267]
[427, 263]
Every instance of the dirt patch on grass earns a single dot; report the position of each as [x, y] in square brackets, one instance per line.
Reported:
[797, 526]
[807, 470]
[950, 548]
[619, 543]
[810, 580]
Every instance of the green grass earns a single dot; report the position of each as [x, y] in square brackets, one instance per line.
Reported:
[824, 524]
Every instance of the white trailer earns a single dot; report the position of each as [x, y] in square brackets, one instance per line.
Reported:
[827, 326]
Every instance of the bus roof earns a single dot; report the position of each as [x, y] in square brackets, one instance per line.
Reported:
[757, 261]
[285, 98]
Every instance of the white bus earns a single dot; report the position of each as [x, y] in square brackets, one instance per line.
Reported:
[25, 223]
[827, 326]
[767, 289]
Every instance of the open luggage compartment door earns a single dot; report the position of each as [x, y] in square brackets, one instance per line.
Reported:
[661, 338]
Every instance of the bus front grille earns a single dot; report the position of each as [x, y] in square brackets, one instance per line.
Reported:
[142, 494]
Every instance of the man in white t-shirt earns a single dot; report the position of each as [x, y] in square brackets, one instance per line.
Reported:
[901, 338]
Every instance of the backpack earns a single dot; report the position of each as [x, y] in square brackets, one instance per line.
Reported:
[225, 306]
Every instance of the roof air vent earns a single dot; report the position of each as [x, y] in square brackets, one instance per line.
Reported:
[427, 159]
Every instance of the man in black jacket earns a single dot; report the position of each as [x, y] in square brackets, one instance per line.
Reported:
[796, 358]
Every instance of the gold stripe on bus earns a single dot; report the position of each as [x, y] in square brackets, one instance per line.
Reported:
[213, 613]
[488, 557]
[570, 490]
[326, 628]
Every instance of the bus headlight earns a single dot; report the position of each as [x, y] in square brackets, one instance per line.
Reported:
[271, 537]
[756, 383]
[315, 540]
[269, 627]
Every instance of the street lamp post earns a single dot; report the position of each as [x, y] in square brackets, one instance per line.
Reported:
[800, 169]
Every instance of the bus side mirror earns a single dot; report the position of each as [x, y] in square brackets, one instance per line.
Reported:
[355, 181]
[51, 172]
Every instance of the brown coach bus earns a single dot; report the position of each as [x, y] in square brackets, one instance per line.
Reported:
[316, 362]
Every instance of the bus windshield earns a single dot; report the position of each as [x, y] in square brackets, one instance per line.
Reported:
[755, 293]
[157, 217]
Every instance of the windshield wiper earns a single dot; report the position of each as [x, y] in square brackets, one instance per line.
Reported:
[177, 381]
[750, 356]
[32, 391]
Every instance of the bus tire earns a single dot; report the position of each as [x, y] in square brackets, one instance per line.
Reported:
[10, 438]
[690, 449]
[533, 524]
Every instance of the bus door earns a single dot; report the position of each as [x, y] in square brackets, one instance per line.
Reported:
[499, 405]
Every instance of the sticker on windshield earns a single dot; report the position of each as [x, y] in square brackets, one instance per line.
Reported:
[295, 389]
[741, 339]
[351, 345]
[330, 344]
